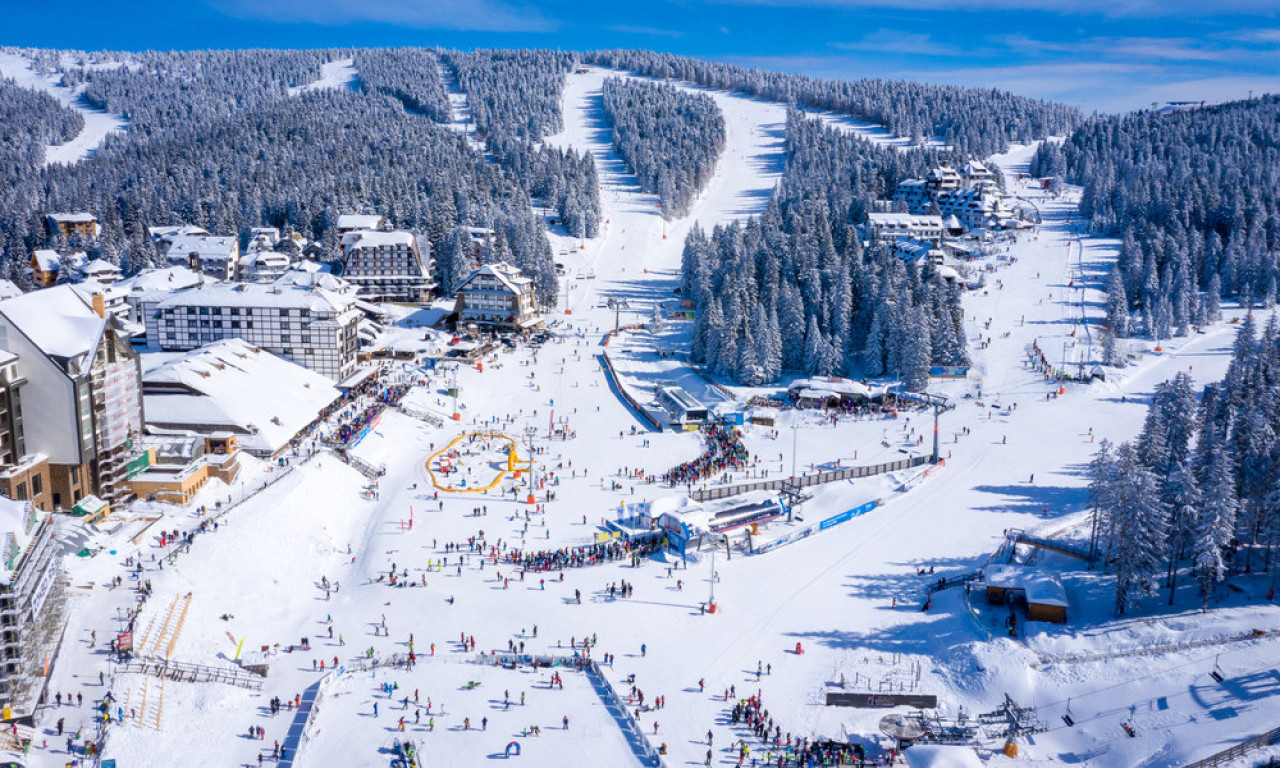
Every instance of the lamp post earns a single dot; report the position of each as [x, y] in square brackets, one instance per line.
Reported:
[711, 601]
[529, 432]
[453, 389]
[791, 492]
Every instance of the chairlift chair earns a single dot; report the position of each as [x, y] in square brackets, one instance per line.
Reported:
[1216, 672]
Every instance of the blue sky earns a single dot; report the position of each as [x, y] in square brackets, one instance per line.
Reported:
[1109, 55]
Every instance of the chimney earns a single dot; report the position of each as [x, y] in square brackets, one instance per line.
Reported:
[100, 305]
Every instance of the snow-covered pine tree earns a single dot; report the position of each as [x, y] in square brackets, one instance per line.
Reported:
[1117, 305]
[1140, 529]
[1216, 525]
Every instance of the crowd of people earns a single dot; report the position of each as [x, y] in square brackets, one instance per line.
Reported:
[781, 749]
[588, 554]
[724, 451]
[351, 427]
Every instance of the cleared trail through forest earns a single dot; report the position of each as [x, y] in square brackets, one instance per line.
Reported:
[637, 255]
[98, 124]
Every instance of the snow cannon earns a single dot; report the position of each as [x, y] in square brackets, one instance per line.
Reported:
[712, 607]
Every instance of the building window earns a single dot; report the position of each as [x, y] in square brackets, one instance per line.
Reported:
[75, 477]
[37, 485]
[20, 492]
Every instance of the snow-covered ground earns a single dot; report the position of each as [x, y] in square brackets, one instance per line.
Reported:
[459, 108]
[870, 131]
[849, 596]
[334, 75]
[98, 124]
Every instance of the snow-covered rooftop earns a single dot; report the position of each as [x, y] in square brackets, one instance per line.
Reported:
[47, 260]
[508, 275]
[234, 385]
[348, 221]
[904, 220]
[832, 384]
[100, 267]
[168, 279]
[57, 320]
[169, 232]
[374, 239]
[318, 292]
[74, 217]
[208, 246]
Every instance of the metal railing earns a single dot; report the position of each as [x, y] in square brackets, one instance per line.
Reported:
[805, 481]
[1243, 748]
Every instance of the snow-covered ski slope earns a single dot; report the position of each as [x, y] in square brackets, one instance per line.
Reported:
[870, 131]
[637, 256]
[459, 108]
[334, 75]
[851, 595]
[98, 124]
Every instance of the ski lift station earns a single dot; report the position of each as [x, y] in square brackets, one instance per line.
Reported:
[683, 408]
[687, 521]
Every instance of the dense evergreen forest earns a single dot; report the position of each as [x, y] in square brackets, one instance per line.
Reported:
[671, 139]
[216, 139]
[976, 121]
[31, 120]
[1199, 489]
[515, 102]
[1193, 195]
[793, 290]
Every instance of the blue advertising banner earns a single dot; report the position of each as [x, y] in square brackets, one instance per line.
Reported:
[846, 516]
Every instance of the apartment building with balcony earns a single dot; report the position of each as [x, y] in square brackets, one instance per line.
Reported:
[81, 393]
[32, 606]
[308, 318]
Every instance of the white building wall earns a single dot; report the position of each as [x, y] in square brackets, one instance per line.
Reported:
[48, 400]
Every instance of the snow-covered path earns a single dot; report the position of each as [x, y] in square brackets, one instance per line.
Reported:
[637, 256]
[459, 108]
[872, 132]
[637, 248]
[98, 124]
[340, 73]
